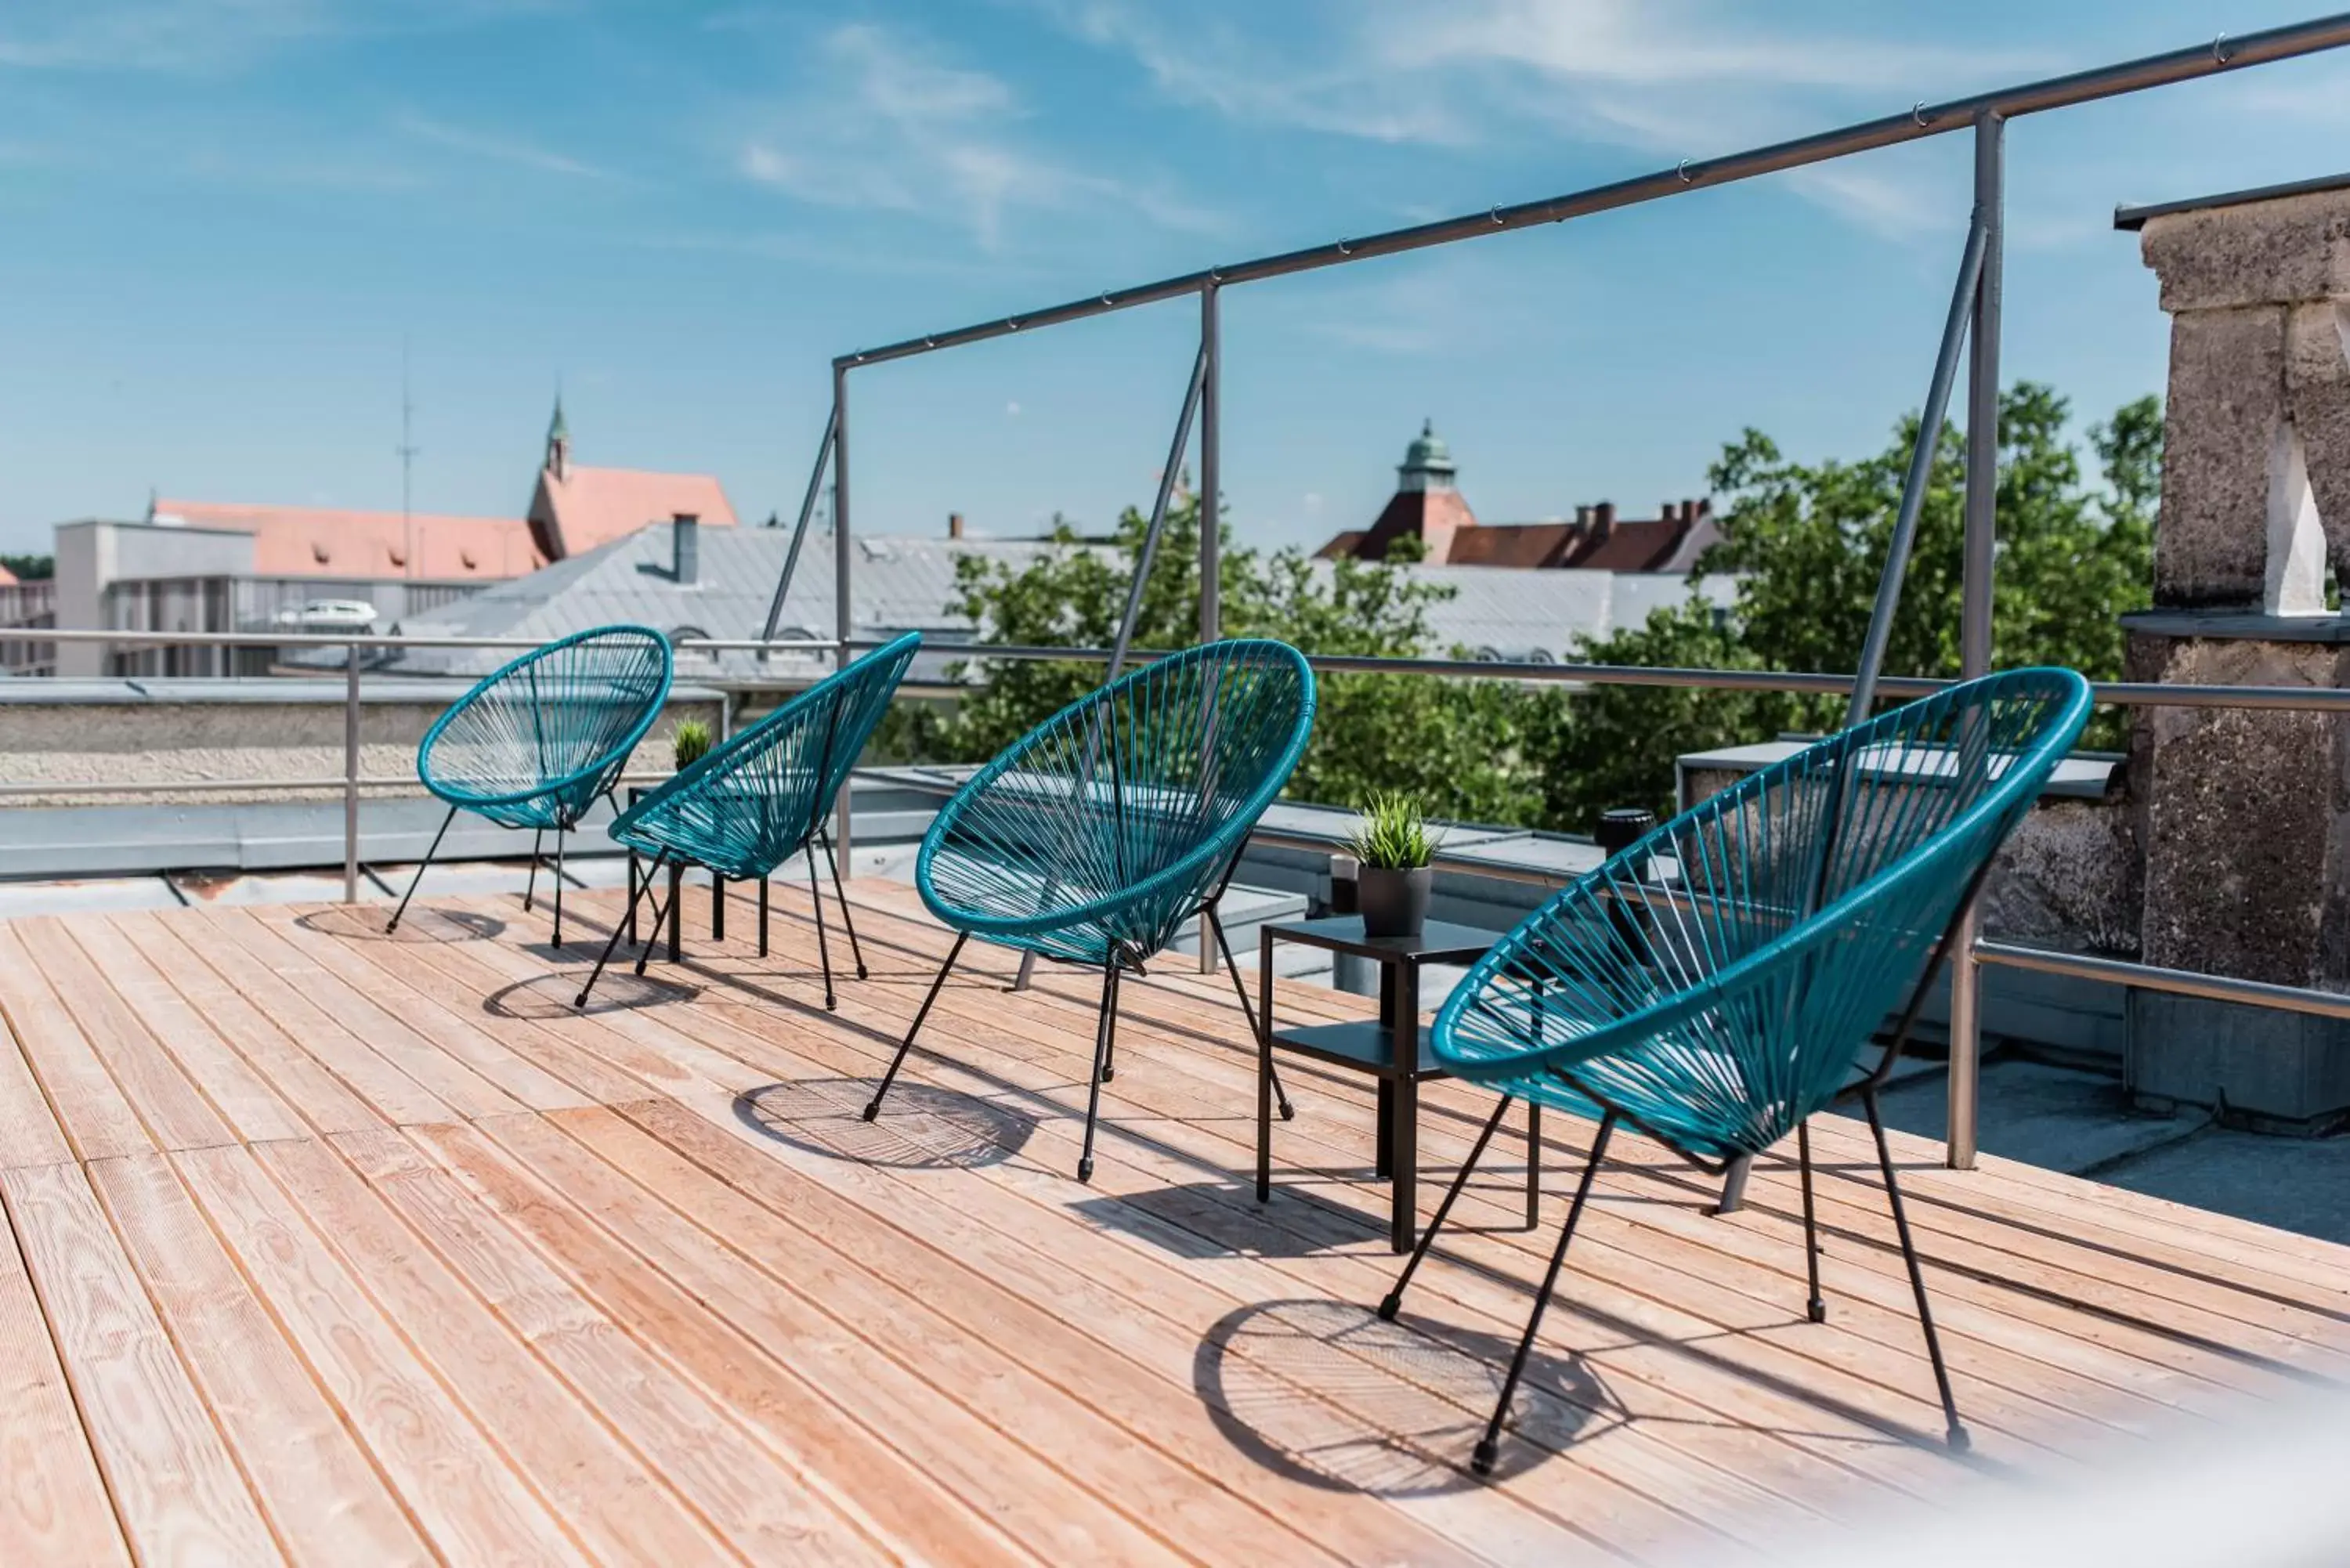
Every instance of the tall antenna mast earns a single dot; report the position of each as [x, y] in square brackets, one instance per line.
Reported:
[407, 451]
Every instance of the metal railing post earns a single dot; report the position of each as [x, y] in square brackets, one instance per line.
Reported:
[844, 619]
[799, 533]
[1211, 582]
[1143, 562]
[352, 773]
[1975, 607]
[1913, 485]
[1211, 608]
[1136, 589]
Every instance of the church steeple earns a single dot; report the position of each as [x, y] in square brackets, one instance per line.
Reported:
[1427, 463]
[559, 444]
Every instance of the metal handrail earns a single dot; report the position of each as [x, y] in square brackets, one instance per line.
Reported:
[2222, 54]
[2081, 966]
[266, 638]
[2309, 1000]
[2112, 693]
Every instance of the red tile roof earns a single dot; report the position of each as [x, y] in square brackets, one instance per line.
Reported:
[585, 507]
[1435, 517]
[1596, 541]
[322, 542]
[7, 579]
[1512, 545]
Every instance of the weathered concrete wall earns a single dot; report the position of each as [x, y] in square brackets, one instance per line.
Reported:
[2258, 296]
[165, 731]
[2244, 815]
[2068, 878]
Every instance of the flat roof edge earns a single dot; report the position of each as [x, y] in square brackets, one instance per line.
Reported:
[2130, 219]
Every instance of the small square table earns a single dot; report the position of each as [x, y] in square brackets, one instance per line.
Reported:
[1392, 1050]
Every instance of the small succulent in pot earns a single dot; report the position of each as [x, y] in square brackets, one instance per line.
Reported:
[688, 743]
[1394, 846]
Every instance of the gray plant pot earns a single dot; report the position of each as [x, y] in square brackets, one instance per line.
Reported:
[1395, 902]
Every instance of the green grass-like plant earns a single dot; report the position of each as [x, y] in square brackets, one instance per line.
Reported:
[1393, 834]
[690, 742]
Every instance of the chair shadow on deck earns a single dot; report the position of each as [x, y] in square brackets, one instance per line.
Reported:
[1221, 1219]
[930, 1129]
[364, 923]
[555, 995]
[1325, 1393]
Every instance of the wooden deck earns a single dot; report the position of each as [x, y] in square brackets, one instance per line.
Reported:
[350, 1250]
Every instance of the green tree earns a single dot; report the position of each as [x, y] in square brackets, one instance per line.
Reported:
[1806, 543]
[1803, 542]
[30, 568]
[1451, 743]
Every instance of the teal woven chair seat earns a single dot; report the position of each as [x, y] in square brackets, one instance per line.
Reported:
[744, 809]
[1717, 983]
[538, 740]
[1104, 830]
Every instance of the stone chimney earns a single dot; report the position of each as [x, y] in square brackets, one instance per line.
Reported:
[2237, 813]
[686, 547]
[954, 524]
[1603, 519]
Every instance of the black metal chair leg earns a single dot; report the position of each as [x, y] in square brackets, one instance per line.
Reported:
[1958, 1431]
[1279, 1095]
[823, 946]
[717, 906]
[530, 889]
[620, 928]
[1393, 1302]
[763, 916]
[1817, 1307]
[1105, 1037]
[664, 912]
[890, 1077]
[1489, 1446]
[841, 893]
[560, 833]
[677, 912]
[396, 914]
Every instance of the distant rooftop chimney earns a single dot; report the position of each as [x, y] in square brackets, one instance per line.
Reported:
[1603, 517]
[685, 545]
[954, 524]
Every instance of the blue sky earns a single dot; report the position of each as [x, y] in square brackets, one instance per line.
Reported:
[222, 220]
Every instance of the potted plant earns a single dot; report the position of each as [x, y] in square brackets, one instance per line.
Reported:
[688, 743]
[1393, 844]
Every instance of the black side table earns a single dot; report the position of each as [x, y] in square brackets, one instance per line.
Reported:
[636, 877]
[1390, 1050]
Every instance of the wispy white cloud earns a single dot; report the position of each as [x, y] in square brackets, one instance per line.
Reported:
[196, 37]
[1652, 43]
[1676, 78]
[1436, 306]
[1197, 58]
[886, 124]
[2319, 96]
[151, 35]
[1883, 203]
[496, 148]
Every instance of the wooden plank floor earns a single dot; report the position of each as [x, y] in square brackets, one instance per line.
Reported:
[340, 1249]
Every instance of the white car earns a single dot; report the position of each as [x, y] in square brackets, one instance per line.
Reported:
[327, 615]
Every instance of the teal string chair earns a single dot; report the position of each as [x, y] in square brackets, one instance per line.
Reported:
[1717, 983]
[745, 807]
[1102, 831]
[540, 739]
